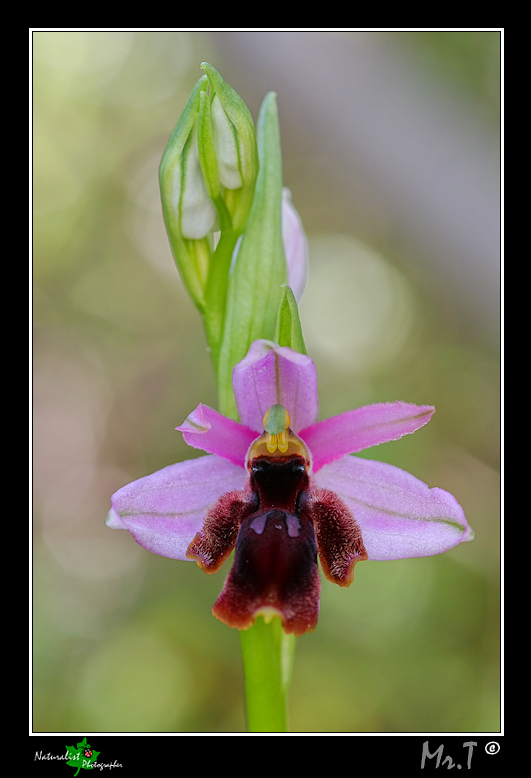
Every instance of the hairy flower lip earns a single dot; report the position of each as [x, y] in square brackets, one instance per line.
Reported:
[272, 572]
[398, 515]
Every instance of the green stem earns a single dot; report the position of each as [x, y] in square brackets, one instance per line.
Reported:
[267, 660]
[216, 293]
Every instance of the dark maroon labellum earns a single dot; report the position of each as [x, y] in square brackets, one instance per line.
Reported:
[278, 527]
[275, 563]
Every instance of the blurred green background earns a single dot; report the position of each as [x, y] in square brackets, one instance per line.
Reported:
[391, 151]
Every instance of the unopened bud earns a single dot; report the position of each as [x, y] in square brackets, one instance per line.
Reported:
[226, 147]
[190, 196]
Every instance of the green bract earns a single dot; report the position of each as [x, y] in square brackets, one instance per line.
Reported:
[289, 329]
[260, 269]
[180, 182]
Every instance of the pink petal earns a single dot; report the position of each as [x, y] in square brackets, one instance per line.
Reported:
[361, 428]
[271, 375]
[210, 431]
[399, 515]
[165, 510]
[295, 246]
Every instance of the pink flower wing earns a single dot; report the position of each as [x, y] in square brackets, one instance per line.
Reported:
[399, 515]
[164, 511]
[214, 433]
[362, 428]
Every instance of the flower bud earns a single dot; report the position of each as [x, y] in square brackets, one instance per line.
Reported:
[207, 179]
[188, 212]
[235, 147]
[180, 177]
[295, 246]
[190, 196]
[225, 147]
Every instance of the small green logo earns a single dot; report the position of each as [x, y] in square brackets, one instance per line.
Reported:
[82, 757]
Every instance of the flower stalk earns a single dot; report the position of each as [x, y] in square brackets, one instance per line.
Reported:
[267, 654]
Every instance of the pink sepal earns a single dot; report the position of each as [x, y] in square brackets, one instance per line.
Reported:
[362, 428]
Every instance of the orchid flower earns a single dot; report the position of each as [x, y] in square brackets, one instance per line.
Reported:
[282, 490]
